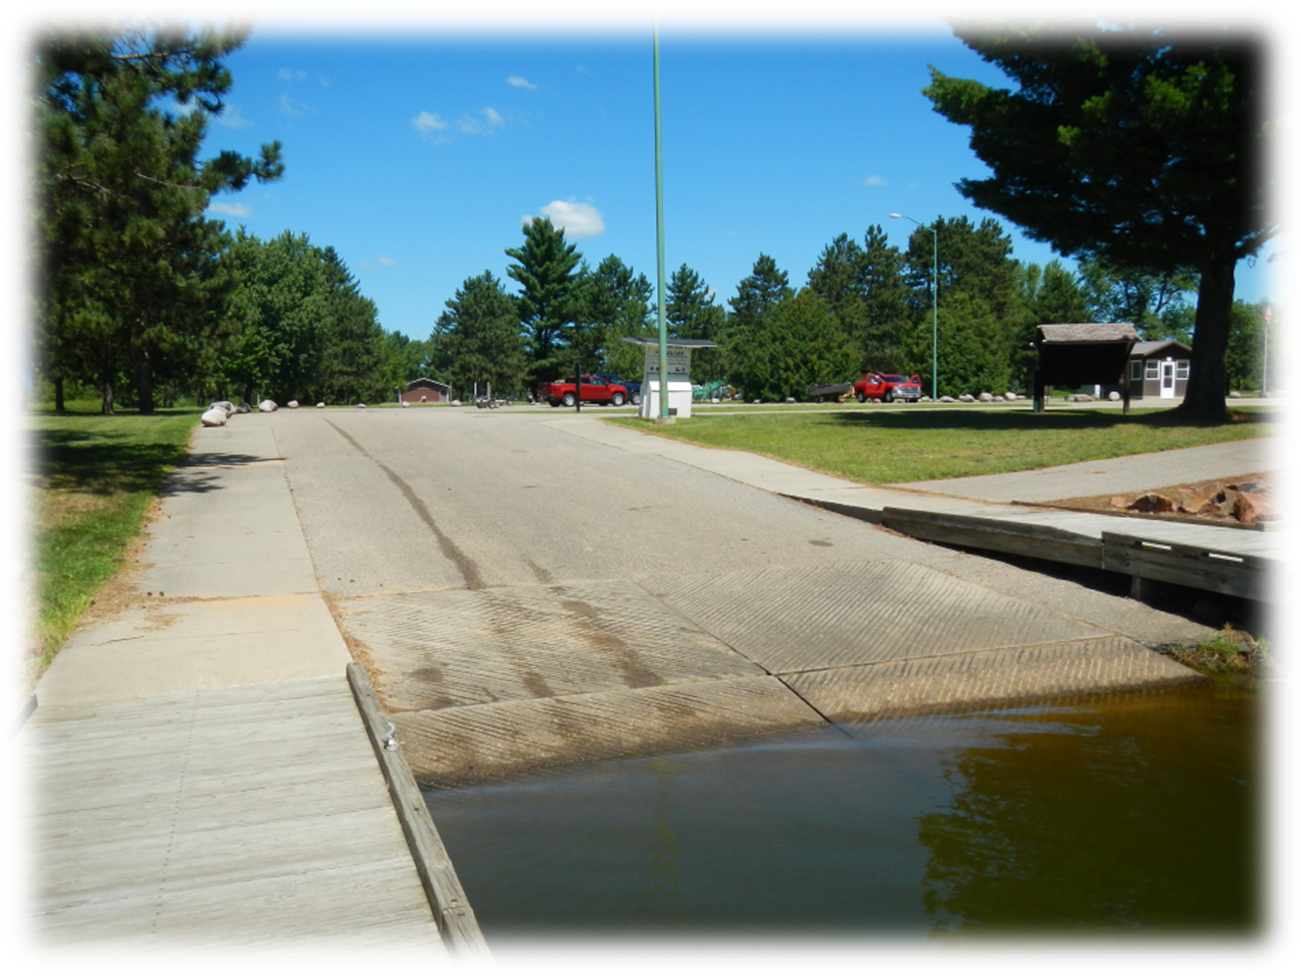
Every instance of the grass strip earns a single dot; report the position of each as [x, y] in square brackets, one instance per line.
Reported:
[93, 480]
[909, 444]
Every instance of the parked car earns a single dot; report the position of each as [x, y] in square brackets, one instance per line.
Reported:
[594, 390]
[632, 386]
[887, 387]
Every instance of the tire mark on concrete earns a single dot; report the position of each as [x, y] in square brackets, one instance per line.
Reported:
[468, 568]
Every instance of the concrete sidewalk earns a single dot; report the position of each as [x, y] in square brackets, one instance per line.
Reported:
[959, 495]
[198, 768]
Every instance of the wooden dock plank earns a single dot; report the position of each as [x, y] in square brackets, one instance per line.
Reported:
[250, 815]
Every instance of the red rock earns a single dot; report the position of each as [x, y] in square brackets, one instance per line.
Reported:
[1151, 503]
[1251, 507]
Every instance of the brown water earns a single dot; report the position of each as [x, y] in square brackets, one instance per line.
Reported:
[1136, 812]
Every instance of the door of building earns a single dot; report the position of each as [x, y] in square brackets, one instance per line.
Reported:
[1167, 379]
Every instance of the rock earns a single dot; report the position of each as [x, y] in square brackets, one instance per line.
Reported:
[320, 406]
[267, 406]
[292, 404]
[1234, 395]
[923, 399]
[1118, 501]
[456, 403]
[967, 398]
[405, 404]
[946, 399]
[1250, 507]
[225, 405]
[790, 399]
[756, 401]
[986, 398]
[214, 417]
[361, 406]
[1220, 503]
[423, 398]
[1082, 398]
[1113, 396]
[1009, 395]
[1151, 504]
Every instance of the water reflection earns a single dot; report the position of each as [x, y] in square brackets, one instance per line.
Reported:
[1118, 814]
[1125, 813]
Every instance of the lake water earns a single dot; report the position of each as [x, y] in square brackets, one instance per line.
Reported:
[1135, 812]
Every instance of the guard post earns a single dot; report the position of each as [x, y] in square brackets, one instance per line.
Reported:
[679, 375]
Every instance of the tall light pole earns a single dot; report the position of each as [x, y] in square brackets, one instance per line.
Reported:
[659, 243]
[935, 302]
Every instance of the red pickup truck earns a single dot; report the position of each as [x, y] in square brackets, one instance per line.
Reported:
[595, 390]
[888, 387]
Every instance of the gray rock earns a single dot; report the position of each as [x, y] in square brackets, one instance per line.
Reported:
[292, 404]
[267, 406]
[946, 399]
[1234, 395]
[1113, 396]
[225, 405]
[967, 398]
[214, 417]
[986, 398]
[1009, 395]
[243, 408]
[405, 404]
[320, 406]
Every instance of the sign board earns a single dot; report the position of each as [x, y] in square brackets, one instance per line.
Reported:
[679, 362]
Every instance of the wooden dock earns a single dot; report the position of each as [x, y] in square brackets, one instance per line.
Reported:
[246, 816]
[1219, 559]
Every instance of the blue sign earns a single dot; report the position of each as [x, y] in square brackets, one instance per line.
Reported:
[17, 361]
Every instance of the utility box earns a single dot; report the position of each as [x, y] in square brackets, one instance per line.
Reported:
[679, 374]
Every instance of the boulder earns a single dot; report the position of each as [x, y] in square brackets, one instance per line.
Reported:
[790, 399]
[361, 406]
[1251, 507]
[456, 403]
[986, 398]
[1113, 396]
[292, 404]
[320, 406]
[1118, 501]
[1009, 395]
[1234, 395]
[225, 405]
[1083, 398]
[946, 399]
[405, 404]
[1151, 504]
[214, 417]
[244, 408]
[267, 406]
[967, 398]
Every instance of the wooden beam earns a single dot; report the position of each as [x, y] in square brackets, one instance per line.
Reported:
[1233, 574]
[455, 917]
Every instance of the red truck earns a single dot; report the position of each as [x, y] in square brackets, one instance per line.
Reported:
[888, 387]
[595, 390]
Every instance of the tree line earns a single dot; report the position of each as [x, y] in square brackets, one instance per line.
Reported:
[865, 307]
[142, 297]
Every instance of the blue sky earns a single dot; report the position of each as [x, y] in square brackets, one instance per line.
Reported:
[416, 152]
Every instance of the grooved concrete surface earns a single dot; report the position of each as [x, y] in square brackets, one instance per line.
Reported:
[529, 589]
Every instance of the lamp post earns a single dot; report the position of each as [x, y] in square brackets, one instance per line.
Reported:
[935, 303]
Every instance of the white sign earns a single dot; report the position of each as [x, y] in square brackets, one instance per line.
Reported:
[679, 362]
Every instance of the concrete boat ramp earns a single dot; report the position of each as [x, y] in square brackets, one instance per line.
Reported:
[209, 767]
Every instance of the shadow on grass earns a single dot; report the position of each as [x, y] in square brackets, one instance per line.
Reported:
[102, 463]
[1051, 419]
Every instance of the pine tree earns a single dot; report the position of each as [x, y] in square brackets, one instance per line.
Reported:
[756, 297]
[476, 340]
[690, 313]
[545, 269]
[132, 284]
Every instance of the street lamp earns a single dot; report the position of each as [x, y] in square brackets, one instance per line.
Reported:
[935, 303]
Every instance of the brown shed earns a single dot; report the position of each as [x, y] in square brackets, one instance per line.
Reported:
[425, 390]
[1160, 369]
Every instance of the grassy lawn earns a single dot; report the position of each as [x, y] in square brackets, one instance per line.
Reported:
[884, 446]
[93, 479]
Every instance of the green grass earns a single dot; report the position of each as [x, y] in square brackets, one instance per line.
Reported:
[94, 478]
[885, 446]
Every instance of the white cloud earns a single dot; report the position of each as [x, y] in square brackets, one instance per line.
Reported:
[289, 74]
[387, 262]
[577, 220]
[875, 181]
[476, 126]
[230, 209]
[427, 122]
[485, 123]
[515, 81]
[289, 107]
[231, 117]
